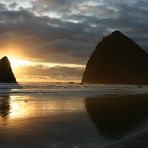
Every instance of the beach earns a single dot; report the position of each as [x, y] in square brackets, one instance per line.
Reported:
[73, 116]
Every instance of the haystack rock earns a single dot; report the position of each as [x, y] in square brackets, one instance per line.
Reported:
[6, 74]
[117, 60]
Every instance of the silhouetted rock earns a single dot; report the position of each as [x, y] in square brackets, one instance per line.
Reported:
[6, 74]
[117, 60]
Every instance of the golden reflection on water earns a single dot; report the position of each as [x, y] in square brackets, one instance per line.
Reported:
[29, 106]
[19, 109]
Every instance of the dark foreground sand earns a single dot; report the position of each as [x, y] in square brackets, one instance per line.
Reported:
[124, 119]
[138, 140]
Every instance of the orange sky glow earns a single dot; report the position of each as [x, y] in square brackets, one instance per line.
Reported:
[19, 63]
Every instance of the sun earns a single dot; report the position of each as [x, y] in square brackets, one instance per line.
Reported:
[18, 62]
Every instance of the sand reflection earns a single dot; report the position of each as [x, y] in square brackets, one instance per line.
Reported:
[19, 108]
[118, 116]
[4, 106]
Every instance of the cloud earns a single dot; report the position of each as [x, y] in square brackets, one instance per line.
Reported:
[67, 31]
[52, 73]
[42, 36]
[58, 8]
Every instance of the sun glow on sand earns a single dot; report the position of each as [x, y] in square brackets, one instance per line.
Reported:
[26, 106]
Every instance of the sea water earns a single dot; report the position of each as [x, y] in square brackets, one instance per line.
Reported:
[65, 89]
[70, 115]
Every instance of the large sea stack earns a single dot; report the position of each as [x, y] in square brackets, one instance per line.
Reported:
[6, 74]
[117, 60]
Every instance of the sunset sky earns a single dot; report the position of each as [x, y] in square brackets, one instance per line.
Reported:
[51, 40]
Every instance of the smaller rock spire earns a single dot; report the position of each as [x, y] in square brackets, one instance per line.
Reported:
[6, 73]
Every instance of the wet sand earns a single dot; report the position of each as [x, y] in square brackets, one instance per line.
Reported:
[104, 122]
[124, 119]
[31, 122]
[137, 140]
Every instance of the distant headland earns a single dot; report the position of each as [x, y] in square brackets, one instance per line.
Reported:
[117, 60]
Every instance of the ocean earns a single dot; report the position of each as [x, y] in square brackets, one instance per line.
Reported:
[64, 115]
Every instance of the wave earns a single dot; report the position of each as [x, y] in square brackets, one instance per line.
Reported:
[70, 89]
